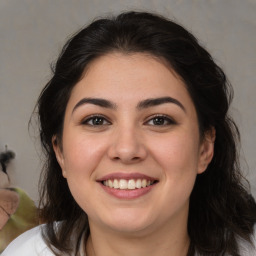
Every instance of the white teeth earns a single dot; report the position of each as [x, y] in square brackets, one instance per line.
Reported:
[131, 184]
[116, 184]
[138, 183]
[144, 183]
[110, 184]
[123, 184]
[127, 184]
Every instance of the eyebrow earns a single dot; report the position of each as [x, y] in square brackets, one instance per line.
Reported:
[95, 101]
[158, 101]
[141, 105]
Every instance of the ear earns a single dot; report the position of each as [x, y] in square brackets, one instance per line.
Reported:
[59, 154]
[206, 150]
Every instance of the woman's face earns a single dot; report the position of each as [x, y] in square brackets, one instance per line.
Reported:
[131, 148]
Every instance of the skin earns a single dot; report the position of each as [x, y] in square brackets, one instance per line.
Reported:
[129, 140]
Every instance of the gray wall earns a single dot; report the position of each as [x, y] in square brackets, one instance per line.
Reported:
[33, 31]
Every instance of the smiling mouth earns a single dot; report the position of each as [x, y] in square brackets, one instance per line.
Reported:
[131, 184]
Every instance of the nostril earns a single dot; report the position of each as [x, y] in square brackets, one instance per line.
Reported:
[126, 158]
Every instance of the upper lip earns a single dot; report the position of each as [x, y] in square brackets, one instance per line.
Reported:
[126, 176]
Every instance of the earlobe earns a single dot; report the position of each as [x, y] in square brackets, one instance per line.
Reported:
[206, 150]
[59, 154]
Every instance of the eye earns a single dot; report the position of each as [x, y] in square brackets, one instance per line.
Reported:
[160, 120]
[95, 120]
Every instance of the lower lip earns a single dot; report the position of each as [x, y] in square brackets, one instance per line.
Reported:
[127, 193]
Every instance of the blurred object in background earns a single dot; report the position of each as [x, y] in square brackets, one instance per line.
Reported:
[18, 212]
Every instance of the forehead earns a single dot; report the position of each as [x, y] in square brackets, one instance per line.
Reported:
[129, 77]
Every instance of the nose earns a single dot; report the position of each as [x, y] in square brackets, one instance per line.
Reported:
[127, 146]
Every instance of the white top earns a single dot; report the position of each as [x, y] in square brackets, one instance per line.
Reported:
[31, 243]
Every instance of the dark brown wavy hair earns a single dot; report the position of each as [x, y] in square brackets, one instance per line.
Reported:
[221, 208]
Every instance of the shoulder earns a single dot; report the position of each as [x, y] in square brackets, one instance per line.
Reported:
[30, 243]
[247, 249]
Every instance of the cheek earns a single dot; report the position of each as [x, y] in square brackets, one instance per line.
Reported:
[178, 157]
[82, 155]
[178, 154]
[179, 162]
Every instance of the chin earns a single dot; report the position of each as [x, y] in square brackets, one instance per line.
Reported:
[129, 221]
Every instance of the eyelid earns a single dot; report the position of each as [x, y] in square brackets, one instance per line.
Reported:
[85, 120]
[166, 117]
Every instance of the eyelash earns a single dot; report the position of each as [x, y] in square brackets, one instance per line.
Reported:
[94, 118]
[162, 120]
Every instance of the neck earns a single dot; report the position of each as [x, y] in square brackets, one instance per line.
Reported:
[166, 241]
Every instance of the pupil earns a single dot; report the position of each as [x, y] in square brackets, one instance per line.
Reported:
[158, 121]
[97, 121]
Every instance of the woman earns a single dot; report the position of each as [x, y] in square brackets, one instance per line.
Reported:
[141, 153]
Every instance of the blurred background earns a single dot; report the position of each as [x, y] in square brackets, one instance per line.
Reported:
[32, 33]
